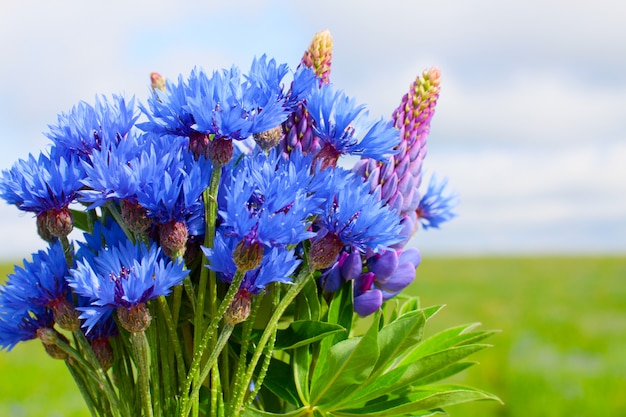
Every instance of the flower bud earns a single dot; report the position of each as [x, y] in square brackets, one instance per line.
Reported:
[57, 222]
[50, 338]
[248, 256]
[270, 138]
[173, 238]
[104, 352]
[239, 309]
[134, 319]
[319, 55]
[157, 81]
[65, 315]
[199, 145]
[42, 230]
[220, 151]
[324, 251]
[135, 217]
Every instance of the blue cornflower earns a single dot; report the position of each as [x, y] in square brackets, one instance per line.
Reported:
[87, 127]
[267, 201]
[434, 207]
[20, 325]
[342, 128]
[41, 284]
[42, 184]
[124, 278]
[228, 107]
[352, 217]
[277, 265]
[167, 112]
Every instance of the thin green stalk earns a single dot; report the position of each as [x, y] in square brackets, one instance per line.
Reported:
[269, 349]
[82, 387]
[139, 344]
[211, 361]
[174, 340]
[245, 343]
[208, 335]
[112, 209]
[270, 329]
[166, 357]
[155, 370]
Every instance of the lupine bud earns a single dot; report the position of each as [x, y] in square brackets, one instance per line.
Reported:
[57, 222]
[157, 80]
[65, 315]
[319, 55]
[270, 138]
[298, 133]
[135, 217]
[173, 238]
[248, 256]
[135, 318]
[239, 309]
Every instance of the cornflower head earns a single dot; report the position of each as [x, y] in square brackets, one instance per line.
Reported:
[41, 284]
[21, 324]
[343, 128]
[351, 217]
[44, 186]
[266, 203]
[169, 197]
[123, 278]
[276, 265]
[435, 207]
[397, 180]
[88, 127]
[317, 59]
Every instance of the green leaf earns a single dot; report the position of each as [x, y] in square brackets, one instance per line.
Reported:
[444, 373]
[304, 332]
[398, 337]
[427, 398]
[406, 375]
[308, 303]
[346, 366]
[83, 220]
[279, 380]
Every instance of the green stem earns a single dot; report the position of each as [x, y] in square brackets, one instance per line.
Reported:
[82, 387]
[208, 335]
[112, 209]
[140, 353]
[211, 361]
[270, 329]
[175, 341]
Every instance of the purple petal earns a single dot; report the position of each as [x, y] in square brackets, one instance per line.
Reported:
[384, 265]
[404, 275]
[368, 302]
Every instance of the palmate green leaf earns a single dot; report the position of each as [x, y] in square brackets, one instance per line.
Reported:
[406, 375]
[426, 398]
[304, 332]
[347, 365]
[398, 337]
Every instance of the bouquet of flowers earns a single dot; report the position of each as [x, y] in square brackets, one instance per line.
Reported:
[230, 263]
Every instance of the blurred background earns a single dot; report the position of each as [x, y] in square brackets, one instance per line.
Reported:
[529, 130]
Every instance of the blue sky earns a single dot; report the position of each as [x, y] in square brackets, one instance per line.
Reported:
[530, 128]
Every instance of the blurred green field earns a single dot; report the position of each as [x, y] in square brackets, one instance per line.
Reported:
[561, 352]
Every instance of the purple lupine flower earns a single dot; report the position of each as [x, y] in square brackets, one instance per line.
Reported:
[123, 278]
[388, 274]
[299, 135]
[45, 186]
[397, 180]
[435, 207]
